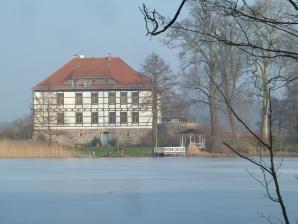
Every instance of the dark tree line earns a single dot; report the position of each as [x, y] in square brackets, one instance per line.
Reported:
[285, 115]
[21, 128]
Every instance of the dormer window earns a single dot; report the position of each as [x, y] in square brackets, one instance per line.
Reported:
[74, 83]
[86, 83]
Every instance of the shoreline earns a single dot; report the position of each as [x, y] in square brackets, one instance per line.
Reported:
[142, 157]
[10, 149]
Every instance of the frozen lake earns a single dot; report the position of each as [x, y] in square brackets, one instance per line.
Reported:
[135, 191]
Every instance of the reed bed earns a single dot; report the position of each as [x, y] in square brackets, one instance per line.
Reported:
[251, 152]
[28, 149]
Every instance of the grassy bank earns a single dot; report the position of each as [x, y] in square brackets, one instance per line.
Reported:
[116, 152]
[28, 149]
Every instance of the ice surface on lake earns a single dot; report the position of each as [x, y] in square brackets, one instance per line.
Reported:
[135, 191]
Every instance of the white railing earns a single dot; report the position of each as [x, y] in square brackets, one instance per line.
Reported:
[169, 150]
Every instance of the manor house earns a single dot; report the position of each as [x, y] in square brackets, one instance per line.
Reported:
[89, 98]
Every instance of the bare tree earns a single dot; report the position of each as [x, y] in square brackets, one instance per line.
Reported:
[20, 128]
[244, 16]
[242, 13]
[285, 117]
[162, 89]
[278, 114]
[266, 67]
[290, 111]
[268, 169]
[202, 54]
[232, 66]
[44, 112]
[205, 52]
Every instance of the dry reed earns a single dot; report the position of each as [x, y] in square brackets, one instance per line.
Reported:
[248, 151]
[28, 149]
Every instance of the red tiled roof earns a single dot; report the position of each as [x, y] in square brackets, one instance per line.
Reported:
[114, 68]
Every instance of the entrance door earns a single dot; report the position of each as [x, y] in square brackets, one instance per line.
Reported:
[105, 138]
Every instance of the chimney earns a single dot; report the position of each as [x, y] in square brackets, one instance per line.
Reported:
[109, 57]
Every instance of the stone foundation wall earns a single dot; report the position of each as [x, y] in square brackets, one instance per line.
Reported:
[167, 135]
[72, 137]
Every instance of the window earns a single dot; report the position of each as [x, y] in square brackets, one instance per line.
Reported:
[135, 98]
[79, 98]
[79, 118]
[94, 98]
[60, 99]
[123, 98]
[123, 117]
[94, 118]
[112, 98]
[60, 118]
[112, 117]
[135, 117]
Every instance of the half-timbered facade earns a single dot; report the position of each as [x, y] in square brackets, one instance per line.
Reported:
[91, 98]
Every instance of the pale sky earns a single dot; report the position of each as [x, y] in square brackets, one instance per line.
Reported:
[39, 36]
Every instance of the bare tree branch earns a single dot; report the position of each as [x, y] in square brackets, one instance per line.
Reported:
[293, 4]
[151, 16]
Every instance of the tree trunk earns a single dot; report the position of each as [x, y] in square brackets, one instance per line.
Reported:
[296, 129]
[266, 104]
[228, 72]
[154, 113]
[213, 118]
